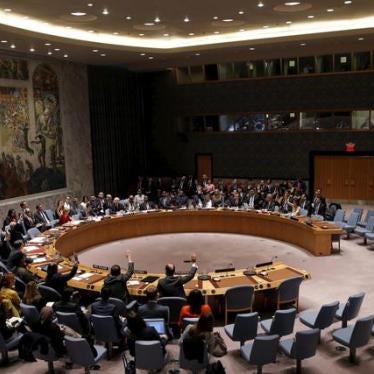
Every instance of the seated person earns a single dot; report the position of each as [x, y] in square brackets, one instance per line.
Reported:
[117, 206]
[269, 203]
[140, 331]
[116, 281]
[146, 205]
[195, 306]
[172, 285]
[20, 270]
[50, 330]
[6, 331]
[59, 281]
[32, 296]
[151, 309]
[64, 217]
[66, 305]
[104, 308]
[16, 250]
[8, 292]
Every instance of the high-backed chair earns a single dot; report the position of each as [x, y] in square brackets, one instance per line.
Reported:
[350, 309]
[105, 330]
[30, 314]
[359, 211]
[369, 228]
[48, 293]
[50, 357]
[320, 319]
[351, 224]
[244, 328]
[288, 292]
[281, 324]
[71, 320]
[262, 351]
[369, 236]
[33, 232]
[238, 299]
[303, 346]
[369, 214]
[339, 216]
[121, 306]
[80, 352]
[8, 345]
[3, 268]
[52, 220]
[355, 336]
[175, 305]
[193, 365]
[149, 355]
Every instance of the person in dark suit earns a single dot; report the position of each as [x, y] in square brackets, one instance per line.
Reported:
[146, 205]
[151, 309]
[117, 206]
[172, 285]
[20, 270]
[117, 281]
[41, 219]
[252, 199]
[59, 281]
[269, 203]
[66, 305]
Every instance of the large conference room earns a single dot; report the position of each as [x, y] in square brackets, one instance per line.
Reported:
[186, 187]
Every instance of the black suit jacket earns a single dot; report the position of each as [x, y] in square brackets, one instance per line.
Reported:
[173, 285]
[117, 284]
[59, 281]
[154, 310]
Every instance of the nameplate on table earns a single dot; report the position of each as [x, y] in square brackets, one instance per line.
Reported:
[101, 267]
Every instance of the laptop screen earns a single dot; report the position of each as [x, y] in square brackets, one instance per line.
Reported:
[158, 324]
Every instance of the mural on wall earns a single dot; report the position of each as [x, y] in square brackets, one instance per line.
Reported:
[32, 158]
[11, 68]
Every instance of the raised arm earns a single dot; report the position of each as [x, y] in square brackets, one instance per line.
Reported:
[192, 271]
[130, 267]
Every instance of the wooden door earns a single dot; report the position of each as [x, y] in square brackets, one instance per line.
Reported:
[323, 174]
[370, 180]
[358, 167]
[204, 165]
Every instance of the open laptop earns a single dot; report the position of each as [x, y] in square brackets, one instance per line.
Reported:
[157, 323]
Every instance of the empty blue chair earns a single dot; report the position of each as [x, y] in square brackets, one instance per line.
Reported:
[320, 319]
[351, 224]
[355, 336]
[369, 228]
[238, 299]
[339, 216]
[262, 351]
[369, 236]
[193, 365]
[50, 357]
[69, 319]
[359, 211]
[369, 214]
[30, 313]
[288, 292]
[303, 346]
[281, 324]
[350, 309]
[149, 355]
[244, 328]
[80, 352]
[8, 345]
[33, 232]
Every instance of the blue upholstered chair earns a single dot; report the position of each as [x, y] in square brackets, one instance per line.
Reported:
[369, 214]
[351, 224]
[50, 357]
[238, 299]
[149, 355]
[33, 232]
[303, 346]
[262, 351]
[339, 216]
[281, 324]
[30, 314]
[369, 236]
[288, 292]
[175, 305]
[350, 309]
[8, 345]
[355, 336]
[80, 352]
[369, 228]
[48, 293]
[359, 211]
[244, 328]
[71, 320]
[193, 364]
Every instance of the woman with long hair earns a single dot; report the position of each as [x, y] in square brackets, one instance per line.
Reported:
[195, 306]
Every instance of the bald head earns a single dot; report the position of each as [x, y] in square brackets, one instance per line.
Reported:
[169, 269]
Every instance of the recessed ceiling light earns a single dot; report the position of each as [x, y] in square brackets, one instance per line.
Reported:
[197, 54]
[102, 54]
[157, 19]
[260, 4]
[95, 50]
[47, 44]
[302, 44]
[166, 34]
[310, 17]
[12, 46]
[149, 24]
[347, 2]
[7, 10]
[292, 3]
[191, 34]
[186, 19]
[115, 33]
[141, 34]
[142, 54]
[105, 11]
[227, 20]
[241, 12]
[216, 32]
[266, 26]
[128, 18]
[68, 27]
[57, 49]
[242, 30]
[150, 58]
[32, 49]
[89, 4]
[4, 41]
[288, 22]
[49, 53]
[66, 56]
[252, 48]
[91, 31]
[78, 14]
[215, 17]
[330, 10]
[361, 38]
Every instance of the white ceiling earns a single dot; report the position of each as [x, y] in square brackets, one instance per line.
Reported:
[30, 24]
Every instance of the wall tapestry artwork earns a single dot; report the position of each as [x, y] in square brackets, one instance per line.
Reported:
[32, 158]
[11, 68]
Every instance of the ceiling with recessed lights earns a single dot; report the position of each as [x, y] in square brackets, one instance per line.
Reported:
[148, 34]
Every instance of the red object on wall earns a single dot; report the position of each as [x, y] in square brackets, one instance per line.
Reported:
[350, 147]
